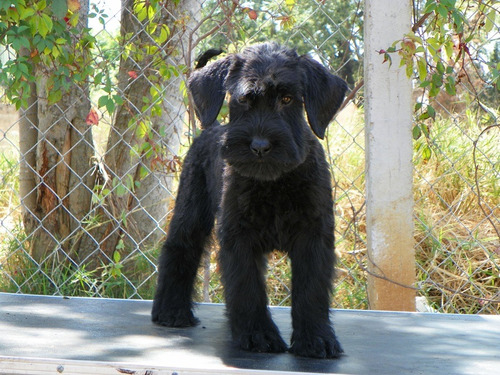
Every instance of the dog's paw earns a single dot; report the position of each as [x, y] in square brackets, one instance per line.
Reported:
[175, 318]
[261, 341]
[320, 345]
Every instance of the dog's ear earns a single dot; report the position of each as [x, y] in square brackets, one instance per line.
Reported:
[323, 95]
[207, 89]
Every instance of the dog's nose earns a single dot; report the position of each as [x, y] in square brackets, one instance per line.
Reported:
[260, 146]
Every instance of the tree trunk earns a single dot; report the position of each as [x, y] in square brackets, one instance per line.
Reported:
[139, 165]
[57, 183]
[28, 138]
[64, 148]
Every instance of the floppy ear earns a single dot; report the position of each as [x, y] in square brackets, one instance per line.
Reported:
[323, 95]
[207, 89]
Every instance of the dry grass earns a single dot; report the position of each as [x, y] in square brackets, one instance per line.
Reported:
[458, 270]
[457, 242]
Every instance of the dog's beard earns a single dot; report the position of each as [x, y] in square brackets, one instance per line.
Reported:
[264, 171]
[282, 159]
[266, 168]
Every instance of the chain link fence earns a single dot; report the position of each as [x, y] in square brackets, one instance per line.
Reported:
[457, 170]
[88, 184]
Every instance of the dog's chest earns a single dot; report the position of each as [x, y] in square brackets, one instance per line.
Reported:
[272, 204]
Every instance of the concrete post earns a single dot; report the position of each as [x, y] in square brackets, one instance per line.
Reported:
[389, 196]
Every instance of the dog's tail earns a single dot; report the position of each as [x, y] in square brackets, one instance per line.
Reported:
[203, 59]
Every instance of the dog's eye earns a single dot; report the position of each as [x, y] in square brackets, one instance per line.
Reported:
[287, 99]
[242, 99]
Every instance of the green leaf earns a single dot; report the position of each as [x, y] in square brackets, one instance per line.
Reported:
[440, 67]
[110, 106]
[102, 101]
[118, 99]
[489, 21]
[56, 52]
[426, 153]
[43, 24]
[120, 189]
[448, 3]
[151, 28]
[416, 132]
[54, 96]
[450, 86]
[21, 29]
[141, 11]
[18, 43]
[98, 78]
[41, 5]
[59, 8]
[431, 111]
[164, 34]
[25, 12]
[409, 69]
[425, 130]
[142, 130]
[423, 116]
[425, 83]
[437, 79]
[24, 69]
[145, 147]
[143, 172]
[129, 183]
[430, 6]
[422, 69]
[434, 91]
[458, 20]
[442, 10]
[151, 11]
[47, 21]
[18, 103]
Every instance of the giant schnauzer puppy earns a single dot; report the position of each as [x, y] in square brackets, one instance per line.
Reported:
[265, 179]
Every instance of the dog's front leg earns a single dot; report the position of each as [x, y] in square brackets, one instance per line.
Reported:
[312, 273]
[242, 268]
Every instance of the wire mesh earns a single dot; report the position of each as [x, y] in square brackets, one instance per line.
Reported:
[85, 202]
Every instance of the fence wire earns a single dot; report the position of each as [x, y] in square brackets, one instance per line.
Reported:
[88, 185]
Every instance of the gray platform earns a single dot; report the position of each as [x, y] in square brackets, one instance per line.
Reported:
[53, 335]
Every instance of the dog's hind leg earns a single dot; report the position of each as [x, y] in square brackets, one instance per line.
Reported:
[189, 231]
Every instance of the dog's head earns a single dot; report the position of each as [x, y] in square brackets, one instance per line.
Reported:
[269, 88]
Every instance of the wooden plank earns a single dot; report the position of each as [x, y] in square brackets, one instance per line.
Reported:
[37, 366]
[101, 336]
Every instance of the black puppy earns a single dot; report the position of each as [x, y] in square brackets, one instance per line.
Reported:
[265, 178]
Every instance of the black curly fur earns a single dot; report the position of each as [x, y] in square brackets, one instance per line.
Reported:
[265, 177]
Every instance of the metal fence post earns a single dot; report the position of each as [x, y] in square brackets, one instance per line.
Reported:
[389, 196]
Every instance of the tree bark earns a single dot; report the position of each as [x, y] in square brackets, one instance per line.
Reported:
[58, 181]
[28, 138]
[64, 148]
[138, 213]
